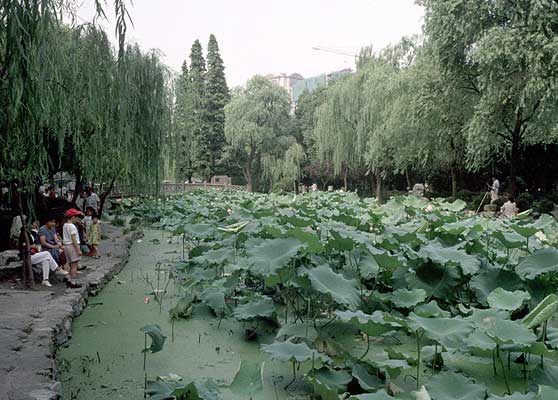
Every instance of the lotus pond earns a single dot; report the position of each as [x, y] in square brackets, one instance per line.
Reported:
[232, 295]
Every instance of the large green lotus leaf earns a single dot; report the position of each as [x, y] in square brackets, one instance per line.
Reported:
[438, 281]
[525, 230]
[214, 298]
[461, 227]
[289, 351]
[260, 308]
[490, 279]
[366, 381]
[480, 340]
[218, 256]
[449, 385]
[158, 390]
[333, 379]
[451, 255]
[248, 379]
[157, 338]
[368, 266]
[509, 332]
[198, 231]
[371, 324]
[515, 396]
[182, 309]
[302, 331]
[546, 309]
[456, 206]
[404, 298]
[267, 256]
[343, 291]
[321, 389]
[540, 262]
[431, 310]
[510, 240]
[504, 300]
[310, 239]
[379, 395]
[450, 332]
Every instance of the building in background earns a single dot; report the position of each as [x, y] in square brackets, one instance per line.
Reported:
[295, 84]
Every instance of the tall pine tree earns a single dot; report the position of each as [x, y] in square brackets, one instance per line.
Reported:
[200, 161]
[183, 126]
[217, 96]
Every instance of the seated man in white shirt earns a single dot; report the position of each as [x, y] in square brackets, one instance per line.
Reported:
[509, 209]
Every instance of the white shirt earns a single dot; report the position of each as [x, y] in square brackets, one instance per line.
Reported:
[509, 209]
[68, 231]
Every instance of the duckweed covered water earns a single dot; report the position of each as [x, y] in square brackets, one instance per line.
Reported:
[103, 360]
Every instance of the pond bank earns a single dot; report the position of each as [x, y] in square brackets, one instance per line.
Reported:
[34, 323]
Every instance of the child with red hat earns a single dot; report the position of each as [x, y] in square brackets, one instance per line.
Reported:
[71, 242]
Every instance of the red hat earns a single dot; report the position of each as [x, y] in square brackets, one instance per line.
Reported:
[72, 212]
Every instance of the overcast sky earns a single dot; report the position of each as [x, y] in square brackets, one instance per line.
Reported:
[268, 36]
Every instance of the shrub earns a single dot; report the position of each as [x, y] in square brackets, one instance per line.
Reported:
[544, 206]
[524, 201]
[467, 196]
[118, 221]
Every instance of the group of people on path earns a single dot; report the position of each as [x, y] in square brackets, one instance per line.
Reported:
[56, 246]
[509, 208]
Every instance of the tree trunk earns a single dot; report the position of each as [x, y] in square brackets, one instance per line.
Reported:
[514, 162]
[104, 196]
[26, 252]
[248, 176]
[78, 187]
[379, 188]
[408, 179]
[453, 182]
[345, 186]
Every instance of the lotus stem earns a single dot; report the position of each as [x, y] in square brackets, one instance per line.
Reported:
[418, 358]
[294, 376]
[503, 370]
[144, 351]
[367, 347]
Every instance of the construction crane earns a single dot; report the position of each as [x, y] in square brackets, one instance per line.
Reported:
[335, 51]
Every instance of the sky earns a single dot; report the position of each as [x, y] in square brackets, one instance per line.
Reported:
[267, 36]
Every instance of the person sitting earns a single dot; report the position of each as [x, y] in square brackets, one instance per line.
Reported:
[509, 209]
[49, 240]
[41, 259]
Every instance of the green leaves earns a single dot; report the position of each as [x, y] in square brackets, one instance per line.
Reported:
[510, 301]
[267, 257]
[157, 338]
[289, 351]
[448, 385]
[545, 310]
[372, 325]
[404, 298]
[343, 291]
[451, 256]
[258, 308]
[538, 263]
[248, 379]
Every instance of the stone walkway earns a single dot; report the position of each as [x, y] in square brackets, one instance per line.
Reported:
[33, 323]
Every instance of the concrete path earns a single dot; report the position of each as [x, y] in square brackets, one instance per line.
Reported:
[34, 323]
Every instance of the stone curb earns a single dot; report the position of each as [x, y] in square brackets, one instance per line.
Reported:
[49, 325]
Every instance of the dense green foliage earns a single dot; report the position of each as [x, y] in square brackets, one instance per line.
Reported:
[74, 106]
[199, 116]
[374, 302]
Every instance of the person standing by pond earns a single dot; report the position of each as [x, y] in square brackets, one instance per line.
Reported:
[91, 199]
[72, 242]
[94, 235]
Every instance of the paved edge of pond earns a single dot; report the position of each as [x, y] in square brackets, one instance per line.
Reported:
[33, 324]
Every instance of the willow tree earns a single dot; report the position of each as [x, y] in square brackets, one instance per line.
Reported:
[255, 118]
[505, 52]
[337, 128]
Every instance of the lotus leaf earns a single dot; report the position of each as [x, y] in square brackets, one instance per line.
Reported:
[157, 338]
[336, 380]
[449, 385]
[431, 310]
[404, 298]
[366, 381]
[540, 262]
[379, 395]
[302, 331]
[343, 291]
[372, 325]
[451, 255]
[258, 308]
[504, 300]
[546, 309]
[450, 332]
[289, 351]
[248, 379]
[214, 298]
[267, 256]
